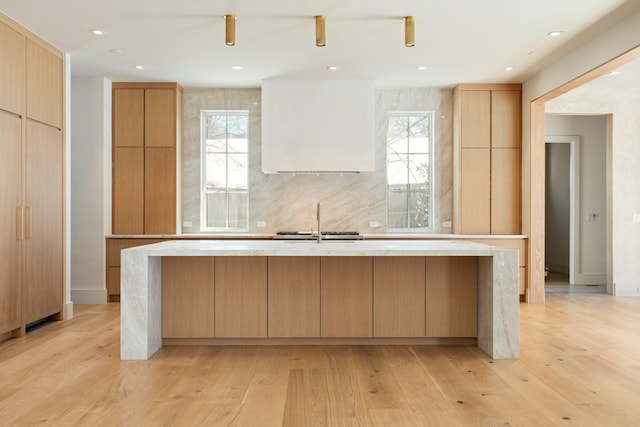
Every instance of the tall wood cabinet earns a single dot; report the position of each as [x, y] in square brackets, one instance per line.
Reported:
[31, 179]
[147, 132]
[487, 158]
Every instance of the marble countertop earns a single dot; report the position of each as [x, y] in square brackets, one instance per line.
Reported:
[312, 248]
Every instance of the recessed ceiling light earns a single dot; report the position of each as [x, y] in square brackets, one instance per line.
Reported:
[237, 67]
[96, 32]
[139, 67]
[555, 33]
[613, 73]
[509, 68]
[115, 51]
[421, 68]
[332, 68]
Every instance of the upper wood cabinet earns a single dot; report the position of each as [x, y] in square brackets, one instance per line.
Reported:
[12, 70]
[487, 157]
[44, 85]
[146, 124]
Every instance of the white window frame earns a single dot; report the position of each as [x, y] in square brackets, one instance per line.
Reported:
[203, 166]
[432, 168]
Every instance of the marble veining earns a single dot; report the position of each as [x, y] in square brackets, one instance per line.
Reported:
[288, 202]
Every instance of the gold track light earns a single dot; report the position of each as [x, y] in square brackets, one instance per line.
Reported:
[320, 34]
[230, 30]
[409, 31]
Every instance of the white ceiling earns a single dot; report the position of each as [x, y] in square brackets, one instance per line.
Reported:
[457, 40]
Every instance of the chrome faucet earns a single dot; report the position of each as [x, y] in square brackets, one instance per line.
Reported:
[318, 218]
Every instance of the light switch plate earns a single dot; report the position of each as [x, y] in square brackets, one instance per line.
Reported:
[636, 217]
[187, 224]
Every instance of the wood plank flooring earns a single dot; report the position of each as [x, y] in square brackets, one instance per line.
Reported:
[579, 365]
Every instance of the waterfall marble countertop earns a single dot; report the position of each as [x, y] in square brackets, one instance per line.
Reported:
[313, 248]
[380, 236]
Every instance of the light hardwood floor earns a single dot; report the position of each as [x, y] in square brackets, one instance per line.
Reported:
[579, 365]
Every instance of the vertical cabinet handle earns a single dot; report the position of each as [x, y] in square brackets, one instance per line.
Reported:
[20, 223]
[30, 228]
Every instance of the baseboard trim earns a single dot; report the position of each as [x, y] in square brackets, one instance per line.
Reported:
[67, 310]
[89, 296]
[590, 279]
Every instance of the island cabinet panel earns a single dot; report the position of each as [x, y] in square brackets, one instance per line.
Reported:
[294, 296]
[188, 297]
[240, 297]
[347, 296]
[398, 296]
[452, 297]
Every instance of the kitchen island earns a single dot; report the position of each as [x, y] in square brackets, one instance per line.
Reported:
[363, 292]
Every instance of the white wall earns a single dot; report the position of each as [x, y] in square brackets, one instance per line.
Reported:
[90, 163]
[592, 253]
[615, 41]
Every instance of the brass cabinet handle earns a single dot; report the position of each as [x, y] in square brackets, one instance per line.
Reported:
[20, 223]
[30, 229]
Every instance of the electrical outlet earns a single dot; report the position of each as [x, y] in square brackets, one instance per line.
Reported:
[374, 224]
[261, 224]
[187, 224]
[446, 224]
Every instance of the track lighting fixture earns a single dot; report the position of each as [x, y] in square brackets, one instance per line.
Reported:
[409, 31]
[230, 30]
[320, 34]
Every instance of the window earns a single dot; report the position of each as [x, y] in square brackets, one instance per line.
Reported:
[225, 170]
[409, 170]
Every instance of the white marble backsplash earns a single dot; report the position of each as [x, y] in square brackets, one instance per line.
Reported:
[288, 202]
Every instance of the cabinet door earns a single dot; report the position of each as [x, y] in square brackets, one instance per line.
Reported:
[160, 114]
[128, 117]
[294, 297]
[240, 297]
[505, 119]
[159, 190]
[12, 59]
[113, 281]
[475, 119]
[11, 220]
[475, 191]
[128, 190]
[187, 297]
[44, 85]
[347, 296]
[398, 297]
[43, 261]
[505, 191]
[452, 297]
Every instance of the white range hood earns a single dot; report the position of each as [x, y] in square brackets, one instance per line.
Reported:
[318, 126]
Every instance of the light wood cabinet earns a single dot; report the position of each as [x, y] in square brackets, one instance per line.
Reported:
[114, 246]
[487, 157]
[43, 249]
[294, 297]
[240, 297]
[452, 297]
[31, 179]
[159, 190]
[12, 70]
[11, 221]
[399, 296]
[347, 296]
[128, 190]
[146, 136]
[44, 85]
[187, 297]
